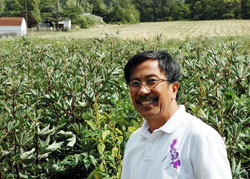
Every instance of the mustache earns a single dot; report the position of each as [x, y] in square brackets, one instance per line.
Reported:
[146, 97]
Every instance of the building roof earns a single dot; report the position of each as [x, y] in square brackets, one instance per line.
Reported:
[11, 21]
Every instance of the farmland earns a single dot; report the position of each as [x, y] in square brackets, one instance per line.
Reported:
[174, 29]
[65, 108]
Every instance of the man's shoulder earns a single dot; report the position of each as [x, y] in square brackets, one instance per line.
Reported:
[136, 134]
[199, 128]
[134, 139]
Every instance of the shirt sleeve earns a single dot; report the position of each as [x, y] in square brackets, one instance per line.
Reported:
[210, 157]
[125, 168]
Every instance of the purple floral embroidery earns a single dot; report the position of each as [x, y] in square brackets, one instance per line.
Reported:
[175, 161]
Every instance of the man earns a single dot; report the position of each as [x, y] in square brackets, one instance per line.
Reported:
[171, 144]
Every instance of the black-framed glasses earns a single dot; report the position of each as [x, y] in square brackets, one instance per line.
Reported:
[149, 83]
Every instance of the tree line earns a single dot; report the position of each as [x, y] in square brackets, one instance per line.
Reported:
[164, 10]
[125, 11]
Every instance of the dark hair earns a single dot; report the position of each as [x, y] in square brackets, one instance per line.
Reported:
[166, 64]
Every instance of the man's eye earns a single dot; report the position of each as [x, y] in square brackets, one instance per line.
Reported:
[135, 83]
[151, 81]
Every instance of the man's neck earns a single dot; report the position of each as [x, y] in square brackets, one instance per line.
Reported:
[158, 121]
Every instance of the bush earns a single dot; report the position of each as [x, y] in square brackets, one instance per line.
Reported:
[124, 12]
[65, 108]
[88, 20]
[76, 27]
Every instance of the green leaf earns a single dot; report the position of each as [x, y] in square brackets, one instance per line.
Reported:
[58, 168]
[46, 131]
[12, 125]
[72, 141]
[45, 155]
[6, 152]
[114, 152]
[24, 155]
[46, 143]
[91, 124]
[238, 167]
[82, 104]
[120, 138]
[53, 147]
[119, 131]
[65, 133]
[23, 175]
[7, 109]
[132, 129]
[97, 174]
[101, 148]
[105, 134]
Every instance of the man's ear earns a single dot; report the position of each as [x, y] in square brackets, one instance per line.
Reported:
[175, 88]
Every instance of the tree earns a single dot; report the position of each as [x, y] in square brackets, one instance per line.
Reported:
[72, 10]
[123, 11]
[46, 7]
[99, 8]
[2, 7]
[87, 6]
[28, 9]
[36, 12]
[214, 9]
[245, 9]
[177, 10]
[52, 12]
[146, 9]
[162, 10]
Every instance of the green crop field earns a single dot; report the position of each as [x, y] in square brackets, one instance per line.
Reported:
[174, 29]
[65, 110]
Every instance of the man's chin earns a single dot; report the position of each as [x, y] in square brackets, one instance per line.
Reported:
[148, 114]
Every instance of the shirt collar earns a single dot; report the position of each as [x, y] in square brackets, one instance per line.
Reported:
[175, 121]
[169, 127]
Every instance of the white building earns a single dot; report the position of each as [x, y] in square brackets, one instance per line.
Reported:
[65, 24]
[12, 26]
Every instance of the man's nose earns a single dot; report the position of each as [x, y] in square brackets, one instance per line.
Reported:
[143, 89]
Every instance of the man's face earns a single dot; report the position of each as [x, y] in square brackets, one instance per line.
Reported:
[152, 103]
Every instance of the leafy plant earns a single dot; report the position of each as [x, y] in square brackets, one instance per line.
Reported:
[65, 109]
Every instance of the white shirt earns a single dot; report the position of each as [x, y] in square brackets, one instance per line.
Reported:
[183, 148]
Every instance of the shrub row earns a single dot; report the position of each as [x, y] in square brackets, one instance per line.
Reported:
[65, 108]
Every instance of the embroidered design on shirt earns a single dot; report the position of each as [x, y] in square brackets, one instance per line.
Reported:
[175, 161]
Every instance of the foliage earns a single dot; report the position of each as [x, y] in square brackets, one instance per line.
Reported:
[2, 6]
[36, 11]
[155, 10]
[123, 11]
[21, 7]
[245, 9]
[53, 12]
[65, 109]
[72, 11]
[126, 11]
[87, 20]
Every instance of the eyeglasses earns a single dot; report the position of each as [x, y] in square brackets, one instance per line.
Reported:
[149, 83]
